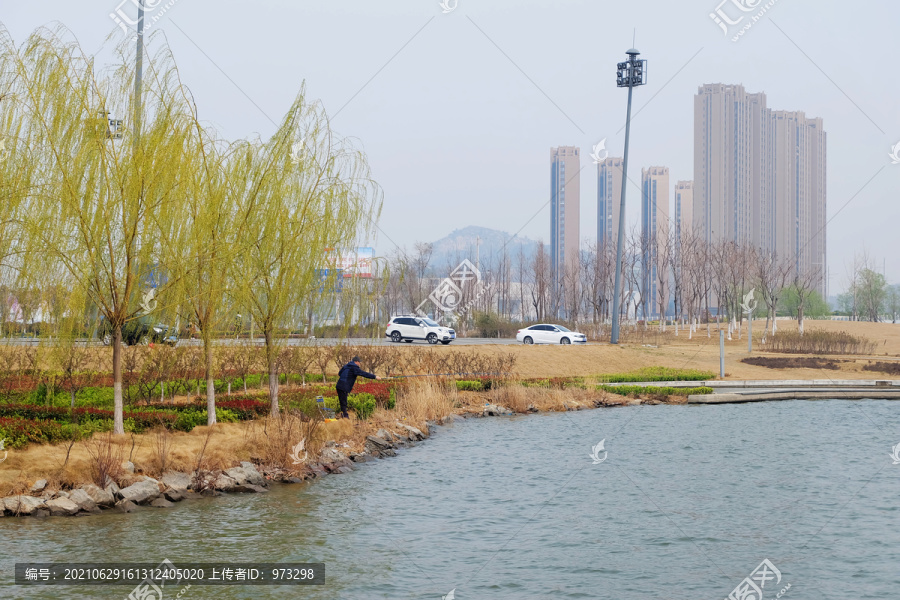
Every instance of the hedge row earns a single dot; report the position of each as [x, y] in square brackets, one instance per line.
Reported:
[652, 390]
[658, 374]
[142, 419]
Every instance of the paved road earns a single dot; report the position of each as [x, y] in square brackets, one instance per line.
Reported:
[295, 342]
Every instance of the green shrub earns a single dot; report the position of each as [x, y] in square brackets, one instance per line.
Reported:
[470, 386]
[653, 390]
[98, 397]
[362, 404]
[658, 374]
[334, 404]
[540, 383]
[188, 419]
[223, 415]
[392, 400]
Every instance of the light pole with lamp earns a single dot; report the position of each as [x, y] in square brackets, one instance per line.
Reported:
[631, 73]
[138, 72]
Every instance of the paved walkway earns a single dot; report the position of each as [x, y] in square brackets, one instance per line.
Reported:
[762, 390]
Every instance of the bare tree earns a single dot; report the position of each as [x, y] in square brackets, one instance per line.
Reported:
[805, 283]
[771, 273]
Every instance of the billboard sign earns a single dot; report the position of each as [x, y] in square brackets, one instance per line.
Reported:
[357, 264]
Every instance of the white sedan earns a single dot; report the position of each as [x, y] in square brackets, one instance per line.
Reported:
[550, 334]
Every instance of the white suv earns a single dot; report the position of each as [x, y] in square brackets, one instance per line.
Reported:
[409, 327]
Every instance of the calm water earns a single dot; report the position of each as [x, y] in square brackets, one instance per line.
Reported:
[688, 502]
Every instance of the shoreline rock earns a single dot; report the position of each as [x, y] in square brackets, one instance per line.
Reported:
[144, 492]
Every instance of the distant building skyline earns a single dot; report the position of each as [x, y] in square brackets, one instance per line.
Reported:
[565, 211]
[684, 208]
[759, 179]
[759, 176]
[654, 233]
[609, 199]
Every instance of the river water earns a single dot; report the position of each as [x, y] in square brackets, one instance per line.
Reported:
[687, 502]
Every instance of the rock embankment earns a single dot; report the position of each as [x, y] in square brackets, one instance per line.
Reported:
[133, 491]
[172, 487]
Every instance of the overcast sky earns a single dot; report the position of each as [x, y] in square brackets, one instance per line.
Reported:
[458, 111]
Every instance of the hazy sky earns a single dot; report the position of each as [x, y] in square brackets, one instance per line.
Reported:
[458, 111]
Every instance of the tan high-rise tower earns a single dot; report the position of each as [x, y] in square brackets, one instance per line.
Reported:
[759, 176]
[565, 213]
[727, 153]
[609, 199]
[683, 219]
[654, 235]
[799, 183]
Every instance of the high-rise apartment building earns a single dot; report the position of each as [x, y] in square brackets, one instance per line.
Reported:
[609, 199]
[565, 213]
[726, 155]
[799, 184]
[654, 235]
[759, 175]
[683, 220]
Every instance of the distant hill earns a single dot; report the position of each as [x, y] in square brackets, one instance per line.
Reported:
[461, 244]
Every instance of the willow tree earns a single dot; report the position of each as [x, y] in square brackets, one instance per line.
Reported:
[99, 202]
[18, 169]
[306, 196]
[200, 247]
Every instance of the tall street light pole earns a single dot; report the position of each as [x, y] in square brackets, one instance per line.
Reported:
[138, 72]
[629, 74]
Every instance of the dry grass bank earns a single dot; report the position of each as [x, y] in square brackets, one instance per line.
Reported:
[701, 352]
[266, 441]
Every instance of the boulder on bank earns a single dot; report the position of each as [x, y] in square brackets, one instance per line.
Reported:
[39, 486]
[99, 497]
[379, 447]
[142, 491]
[414, 432]
[62, 507]
[22, 505]
[176, 480]
[246, 475]
[113, 488]
[83, 500]
[495, 410]
[161, 503]
[333, 460]
[254, 472]
[224, 483]
[173, 495]
[125, 506]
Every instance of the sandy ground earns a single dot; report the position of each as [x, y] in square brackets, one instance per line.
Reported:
[701, 352]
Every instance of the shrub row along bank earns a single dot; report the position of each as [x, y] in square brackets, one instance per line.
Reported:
[658, 374]
[30, 423]
[884, 367]
[21, 424]
[793, 362]
[153, 373]
[652, 390]
[818, 341]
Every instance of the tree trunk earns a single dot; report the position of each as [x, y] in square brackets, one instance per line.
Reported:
[273, 373]
[210, 383]
[72, 392]
[118, 409]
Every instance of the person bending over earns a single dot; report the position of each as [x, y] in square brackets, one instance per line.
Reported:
[347, 379]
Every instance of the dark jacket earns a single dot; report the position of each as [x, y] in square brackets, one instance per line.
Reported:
[347, 377]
